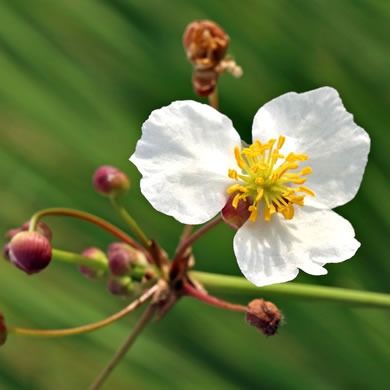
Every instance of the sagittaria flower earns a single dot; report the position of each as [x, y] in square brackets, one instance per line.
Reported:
[194, 164]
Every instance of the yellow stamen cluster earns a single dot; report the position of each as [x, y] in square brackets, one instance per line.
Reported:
[262, 178]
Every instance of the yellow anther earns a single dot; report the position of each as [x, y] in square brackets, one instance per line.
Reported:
[306, 190]
[236, 199]
[259, 181]
[306, 171]
[254, 213]
[277, 155]
[288, 212]
[233, 174]
[233, 188]
[263, 166]
[299, 181]
[268, 211]
[239, 159]
[281, 142]
[260, 192]
[243, 189]
[296, 157]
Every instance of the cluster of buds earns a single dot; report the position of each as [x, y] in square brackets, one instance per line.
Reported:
[29, 251]
[205, 44]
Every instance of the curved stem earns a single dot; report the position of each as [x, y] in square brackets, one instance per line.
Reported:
[239, 285]
[144, 320]
[131, 223]
[210, 300]
[87, 328]
[89, 218]
[76, 259]
[194, 237]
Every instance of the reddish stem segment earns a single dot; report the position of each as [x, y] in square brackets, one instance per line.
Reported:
[200, 296]
[92, 219]
[87, 328]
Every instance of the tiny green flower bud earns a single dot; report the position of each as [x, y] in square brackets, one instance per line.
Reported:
[120, 286]
[3, 330]
[110, 181]
[263, 315]
[30, 251]
[235, 217]
[205, 44]
[94, 254]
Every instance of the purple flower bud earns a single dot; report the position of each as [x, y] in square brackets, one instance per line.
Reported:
[110, 181]
[128, 257]
[120, 286]
[3, 330]
[30, 251]
[235, 217]
[42, 228]
[94, 254]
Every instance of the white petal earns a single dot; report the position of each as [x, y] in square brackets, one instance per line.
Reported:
[272, 252]
[317, 123]
[184, 155]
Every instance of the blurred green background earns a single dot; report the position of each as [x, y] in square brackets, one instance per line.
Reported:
[77, 79]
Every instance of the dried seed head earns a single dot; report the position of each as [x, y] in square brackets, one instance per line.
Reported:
[3, 330]
[263, 315]
[205, 44]
[94, 254]
[30, 251]
[110, 181]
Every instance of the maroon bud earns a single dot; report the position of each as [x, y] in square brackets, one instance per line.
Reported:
[120, 286]
[41, 228]
[94, 254]
[205, 44]
[263, 315]
[30, 251]
[3, 330]
[235, 217]
[110, 181]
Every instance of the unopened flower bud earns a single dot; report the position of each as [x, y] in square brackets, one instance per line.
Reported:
[30, 251]
[110, 181]
[127, 255]
[263, 315]
[94, 254]
[41, 228]
[121, 262]
[3, 330]
[205, 44]
[120, 286]
[235, 217]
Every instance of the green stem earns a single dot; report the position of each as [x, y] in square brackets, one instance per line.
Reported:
[239, 285]
[97, 264]
[131, 223]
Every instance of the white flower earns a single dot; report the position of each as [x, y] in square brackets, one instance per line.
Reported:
[192, 159]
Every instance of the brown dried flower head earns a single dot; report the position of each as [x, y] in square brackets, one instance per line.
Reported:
[205, 44]
[264, 315]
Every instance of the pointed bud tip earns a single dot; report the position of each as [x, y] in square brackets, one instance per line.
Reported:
[30, 251]
[110, 181]
[264, 315]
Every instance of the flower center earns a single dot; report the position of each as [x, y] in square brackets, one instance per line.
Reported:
[263, 179]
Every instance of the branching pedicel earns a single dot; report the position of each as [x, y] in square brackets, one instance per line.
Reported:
[218, 174]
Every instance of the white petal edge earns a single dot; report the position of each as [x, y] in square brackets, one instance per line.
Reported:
[317, 123]
[184, 155]
[273, 252]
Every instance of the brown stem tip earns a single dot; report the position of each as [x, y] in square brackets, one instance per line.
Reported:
[264, 315]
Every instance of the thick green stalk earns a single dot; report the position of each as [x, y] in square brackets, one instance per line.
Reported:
[238, 285]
